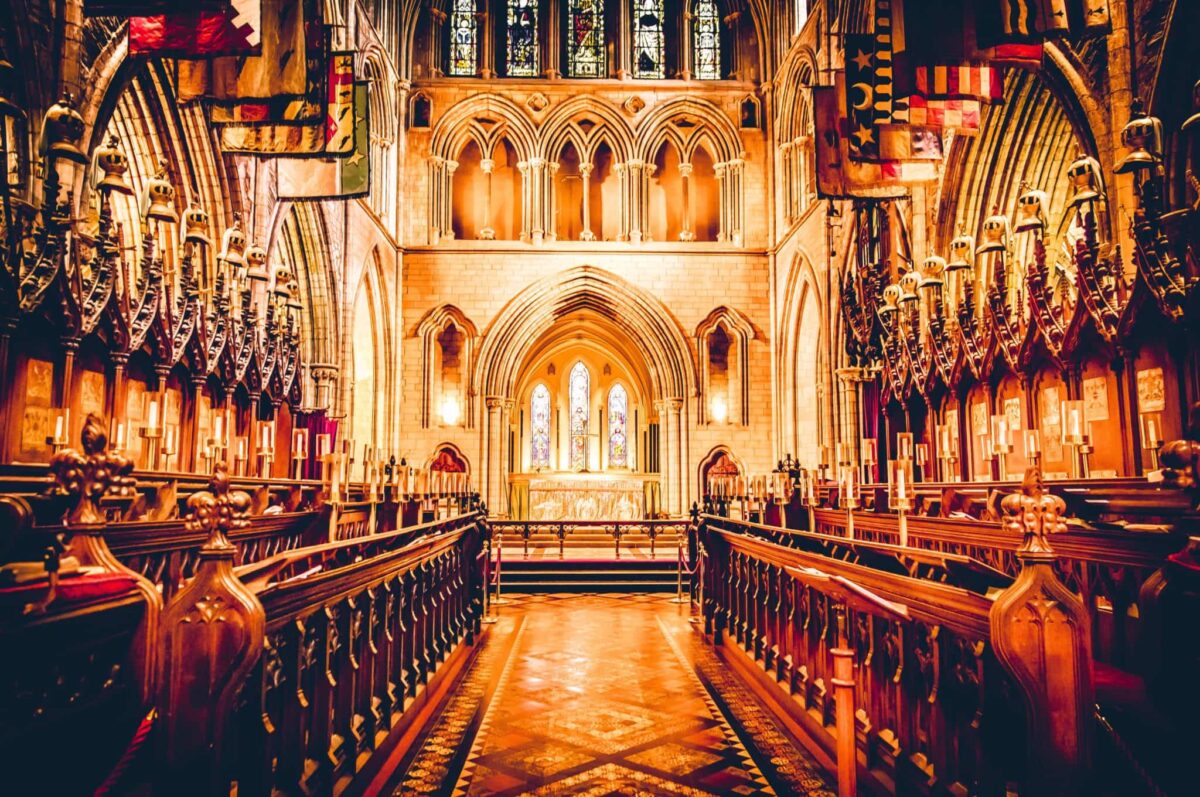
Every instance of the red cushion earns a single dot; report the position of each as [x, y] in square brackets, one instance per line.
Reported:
[1115, 685]
[73, 589]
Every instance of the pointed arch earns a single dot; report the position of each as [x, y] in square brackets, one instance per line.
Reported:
[430, 329]
[635, 312]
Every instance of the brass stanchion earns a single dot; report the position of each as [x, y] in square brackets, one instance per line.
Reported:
[679, 566]
[499, 600]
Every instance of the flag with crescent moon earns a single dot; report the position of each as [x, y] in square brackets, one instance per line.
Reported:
[838, 174]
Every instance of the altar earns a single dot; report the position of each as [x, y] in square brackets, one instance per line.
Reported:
[580, 496]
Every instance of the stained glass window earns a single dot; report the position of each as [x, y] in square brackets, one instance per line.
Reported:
[585, 39]
[522, 38]
[706, 39]
[618, 409]
[648, 39]
[539, 427]
[581, 392]
[463, 38]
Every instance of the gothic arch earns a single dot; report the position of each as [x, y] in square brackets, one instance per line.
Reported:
[799, 362]
[741, 331]
[662, 124]
[368, 320]
[429, 329]
[638, 314]
[563, 124]
[484, 119]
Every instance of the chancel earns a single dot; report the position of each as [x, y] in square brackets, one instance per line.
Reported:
[640, 397]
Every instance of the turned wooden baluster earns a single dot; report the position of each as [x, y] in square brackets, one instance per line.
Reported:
[390, 689]
[412, 652]
[426, 644]
[789, 660]
[744, 608]
[298, 670]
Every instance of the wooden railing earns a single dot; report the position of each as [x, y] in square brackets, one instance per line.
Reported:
[348, 648]
[562, 529]
[1105, 566]
[940, 648]
[275, 634]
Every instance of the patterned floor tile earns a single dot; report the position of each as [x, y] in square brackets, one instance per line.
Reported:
[604, 695]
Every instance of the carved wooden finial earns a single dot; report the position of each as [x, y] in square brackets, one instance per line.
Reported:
[1034, 514]
[218, 510]
[1180, 459]
[90, 476]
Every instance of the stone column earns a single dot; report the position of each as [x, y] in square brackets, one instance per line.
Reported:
[851, 431]
[448, 200]
[624, 227]
[730, 174]
[636, 189]
[664, 458]
[685, 177]
[436, 165]
[491, 453]
[526, 200]
[323, 376]
[675, 455]
[550, 201]
[506, 413]
[436, 54]
[585, 173]
[487, 233]
[486, 35]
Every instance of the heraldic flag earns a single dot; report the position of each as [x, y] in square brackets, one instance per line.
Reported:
[206, 28]
[331, 178]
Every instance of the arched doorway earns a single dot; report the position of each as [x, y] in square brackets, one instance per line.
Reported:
[585, 375]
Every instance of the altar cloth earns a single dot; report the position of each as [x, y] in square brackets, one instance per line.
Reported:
[584, 497]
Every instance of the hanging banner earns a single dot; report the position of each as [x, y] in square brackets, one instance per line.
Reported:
[332, 178]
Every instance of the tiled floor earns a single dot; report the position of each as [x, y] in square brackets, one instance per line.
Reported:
[604, 695]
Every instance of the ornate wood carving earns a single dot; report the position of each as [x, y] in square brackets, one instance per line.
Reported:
[213, 633]
[1041, 633]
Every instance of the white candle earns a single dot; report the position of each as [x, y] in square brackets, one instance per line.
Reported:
[59, 424]
[1152, 433]
[169, 446]
[152, 421]
[217, 426]
[901, 487]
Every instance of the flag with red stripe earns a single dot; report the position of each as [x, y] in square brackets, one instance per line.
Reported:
[232, 27]
[960, 82]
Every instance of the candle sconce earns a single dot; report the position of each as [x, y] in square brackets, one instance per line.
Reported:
[152, 432]
[1033, 447]
[62, 431]
[1002, 445]
[1152, 436]
[900, 493]
[170, 445]
[299, 453]
[870, 458]
[1076, 433]
[948, 453]
[848, 494]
